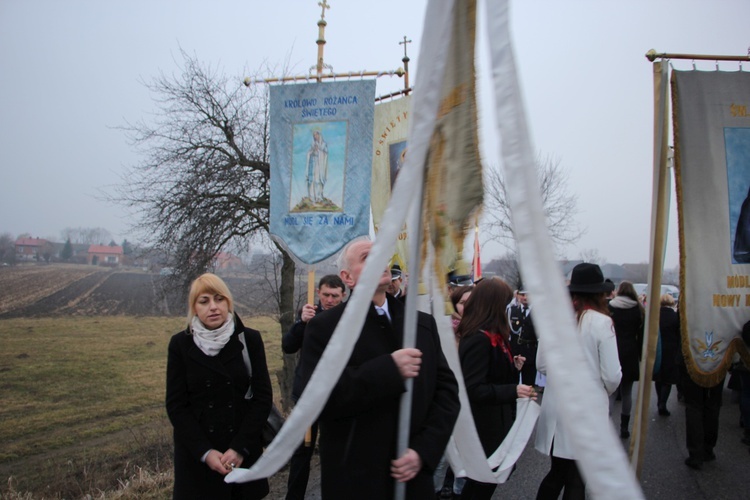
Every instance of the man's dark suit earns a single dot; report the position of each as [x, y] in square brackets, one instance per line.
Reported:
[359, 424]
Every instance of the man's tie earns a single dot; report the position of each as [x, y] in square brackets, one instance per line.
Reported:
[382, 312]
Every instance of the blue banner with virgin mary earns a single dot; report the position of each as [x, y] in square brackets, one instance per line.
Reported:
[321, 160]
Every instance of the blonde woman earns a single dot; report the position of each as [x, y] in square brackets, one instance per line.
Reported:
[216, 408]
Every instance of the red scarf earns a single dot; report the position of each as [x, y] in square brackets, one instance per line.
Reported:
[498, 340]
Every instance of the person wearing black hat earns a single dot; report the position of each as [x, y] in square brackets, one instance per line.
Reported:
[588, 292]
[396, 279]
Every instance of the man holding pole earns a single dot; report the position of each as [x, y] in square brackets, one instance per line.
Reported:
[359, 423]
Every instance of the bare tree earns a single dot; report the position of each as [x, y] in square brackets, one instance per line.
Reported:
[7, 248]
[591, 255]
[509, 270]
[203, 183]
[559, 205]
[87, 235]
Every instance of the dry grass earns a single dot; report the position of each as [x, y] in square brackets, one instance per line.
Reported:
[83, 404]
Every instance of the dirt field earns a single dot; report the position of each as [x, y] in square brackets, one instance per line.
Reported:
[75, 290]
[48, 313]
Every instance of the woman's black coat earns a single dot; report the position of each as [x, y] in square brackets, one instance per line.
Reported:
[491, 380]
[629, 331]
[208, 410]
[669, 329]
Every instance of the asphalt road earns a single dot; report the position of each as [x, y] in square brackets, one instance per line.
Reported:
[664, 476]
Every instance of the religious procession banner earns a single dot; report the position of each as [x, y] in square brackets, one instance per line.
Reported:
[388, 156]
[712, 152]
[321, 152]
[454, 188]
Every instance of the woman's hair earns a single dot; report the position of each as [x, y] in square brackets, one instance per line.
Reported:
[457, 293]
[485, 309]
[626, 289]
[667, 300]
[211, 284]
[584, 301]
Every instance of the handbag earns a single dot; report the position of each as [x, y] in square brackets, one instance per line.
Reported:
[275, 419]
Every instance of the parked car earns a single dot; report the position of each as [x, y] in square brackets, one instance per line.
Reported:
[642, 288]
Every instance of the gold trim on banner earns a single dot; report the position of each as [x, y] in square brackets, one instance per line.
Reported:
[736, 345]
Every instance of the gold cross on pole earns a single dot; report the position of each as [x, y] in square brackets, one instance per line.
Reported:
[324, 5]
[406, 64]
[404, 44]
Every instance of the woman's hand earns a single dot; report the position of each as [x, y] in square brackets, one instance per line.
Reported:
[213, 460]
[519, 361]
[231, 459]
[526, 391]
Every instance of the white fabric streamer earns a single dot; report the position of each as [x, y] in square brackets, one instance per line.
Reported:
[602, 459]
[341, 344]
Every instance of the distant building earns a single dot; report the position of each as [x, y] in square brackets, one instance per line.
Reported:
[615, 272]
[105, 255]
[79, 252]
[28, 249]
[227, 262]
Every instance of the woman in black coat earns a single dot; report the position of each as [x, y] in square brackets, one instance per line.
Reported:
[628, 317]
[669, 372]
[216, 408]
[490, 370]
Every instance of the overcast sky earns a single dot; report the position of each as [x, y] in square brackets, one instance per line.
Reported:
[72, 71]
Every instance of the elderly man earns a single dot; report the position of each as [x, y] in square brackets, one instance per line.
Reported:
[359, 424]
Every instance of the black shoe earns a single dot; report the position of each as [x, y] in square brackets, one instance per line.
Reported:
[693, 463]
[664, 412]
[710, 457]
[624, 423]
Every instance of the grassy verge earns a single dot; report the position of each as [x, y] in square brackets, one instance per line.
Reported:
[83, 401]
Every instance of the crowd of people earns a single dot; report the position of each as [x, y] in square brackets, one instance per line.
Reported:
[219, 391]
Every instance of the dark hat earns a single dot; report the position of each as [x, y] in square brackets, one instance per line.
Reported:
[395, 272]
[461, 280]
[588, 278]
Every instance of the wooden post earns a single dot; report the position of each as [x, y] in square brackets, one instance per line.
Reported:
[310, 300]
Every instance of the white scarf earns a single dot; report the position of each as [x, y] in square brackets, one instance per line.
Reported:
[211, 341]
[622, 302]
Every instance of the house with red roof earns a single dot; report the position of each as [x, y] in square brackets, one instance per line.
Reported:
[227, 262]
[33, 249]
[104, 255]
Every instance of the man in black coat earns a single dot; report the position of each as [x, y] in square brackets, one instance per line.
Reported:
[359, 424]
[523, 338]
[331, 291]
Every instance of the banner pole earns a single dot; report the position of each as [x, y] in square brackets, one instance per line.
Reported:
[651, 55]
[659, 223]
[310, 300]
[415, 224]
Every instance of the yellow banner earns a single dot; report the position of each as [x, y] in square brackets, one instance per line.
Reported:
[454, 186]
[389, 151]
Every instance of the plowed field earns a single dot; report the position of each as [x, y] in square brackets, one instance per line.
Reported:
[33, 291]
